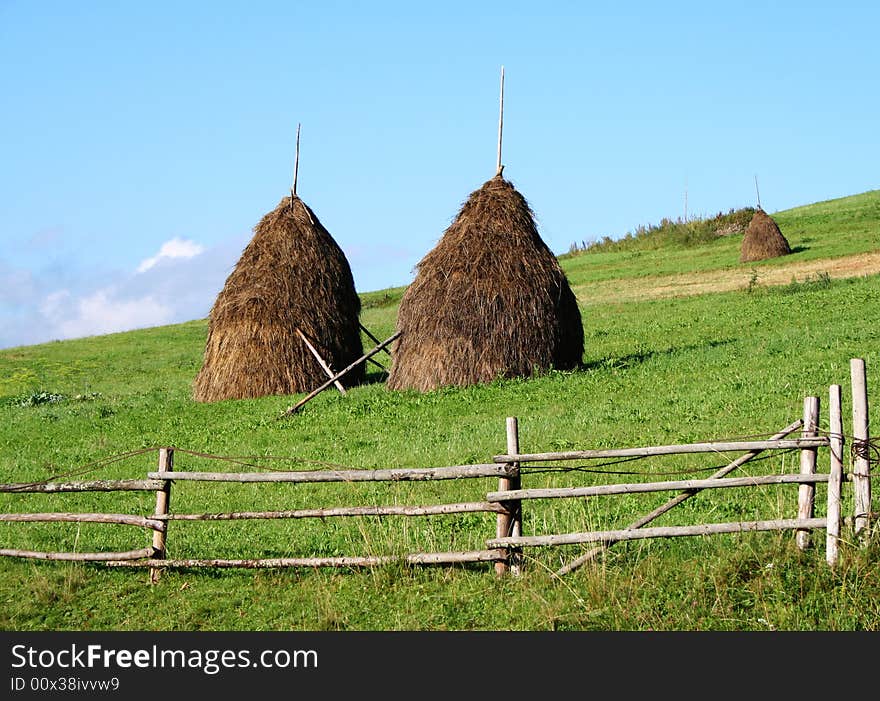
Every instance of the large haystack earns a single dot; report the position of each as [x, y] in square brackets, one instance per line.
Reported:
[292, 275]
[762, 239]
[490, 300]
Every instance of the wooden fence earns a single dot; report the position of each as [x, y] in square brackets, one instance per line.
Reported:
[505, 549]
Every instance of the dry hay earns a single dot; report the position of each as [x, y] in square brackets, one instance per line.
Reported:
[763, 239]
[291, 275]
[490, 300]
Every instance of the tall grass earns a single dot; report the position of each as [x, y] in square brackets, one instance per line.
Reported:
[671, 233]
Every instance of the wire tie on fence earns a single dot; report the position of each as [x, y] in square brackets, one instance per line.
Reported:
[865, 449]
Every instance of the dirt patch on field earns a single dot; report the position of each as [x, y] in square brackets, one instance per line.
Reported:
[727, 280]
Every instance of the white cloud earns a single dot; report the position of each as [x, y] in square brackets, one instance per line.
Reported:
[54, 303]
[101, 312]
[174, 248]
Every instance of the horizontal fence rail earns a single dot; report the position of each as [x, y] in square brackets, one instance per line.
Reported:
[390, 475]
[120, 519]
[652, 451]
[645, 487]
[462, 508]
[447, 558]
[81, 557]
[658, 532]
[148, 485]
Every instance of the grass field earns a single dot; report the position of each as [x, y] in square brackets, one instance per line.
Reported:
[682, 344]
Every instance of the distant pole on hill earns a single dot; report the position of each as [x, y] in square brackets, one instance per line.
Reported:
[685, 201]
[500, 123]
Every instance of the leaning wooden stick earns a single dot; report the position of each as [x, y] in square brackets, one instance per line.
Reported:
[315, 392]
[372, 337]
[675, 501]
[321, 361]
[377, 364]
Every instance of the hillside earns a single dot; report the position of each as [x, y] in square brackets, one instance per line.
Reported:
[681, 344]
[840, 230]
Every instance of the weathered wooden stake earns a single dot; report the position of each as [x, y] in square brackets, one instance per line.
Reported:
[163, 501]
[862, 464]
[807, 492]
[835, 428]
[374, 340]
[509, 523]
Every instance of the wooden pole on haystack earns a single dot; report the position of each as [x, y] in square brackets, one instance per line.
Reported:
[757, 192]
[500, 167]
[295, 167]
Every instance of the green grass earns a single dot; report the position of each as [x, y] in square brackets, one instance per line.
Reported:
[655, 371]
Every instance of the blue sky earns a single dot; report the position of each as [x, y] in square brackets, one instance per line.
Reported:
[142, 142]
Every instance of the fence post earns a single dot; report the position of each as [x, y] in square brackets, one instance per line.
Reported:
[862, 465]
[807, 492]
[835, 477]
[509, 523]
[163, 500]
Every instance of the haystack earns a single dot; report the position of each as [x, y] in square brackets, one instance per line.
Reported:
[762, 239]
[292, 275]
[490, 300]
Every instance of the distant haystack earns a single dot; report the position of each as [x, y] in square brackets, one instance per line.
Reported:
[762, 239]
[490, 300]
[292, 275]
